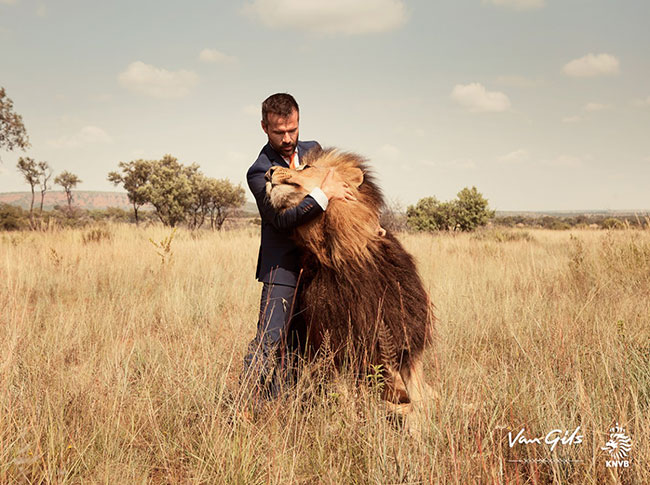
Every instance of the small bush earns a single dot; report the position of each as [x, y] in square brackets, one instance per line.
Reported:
[612, 223]
[503, 236]
[13, 218]
[96, 235]
[465, 213]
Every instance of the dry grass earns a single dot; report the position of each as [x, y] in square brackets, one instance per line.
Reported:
[118, 368]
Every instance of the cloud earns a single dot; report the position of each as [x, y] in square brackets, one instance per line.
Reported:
[138, 154]
[517, 156]
[476, 98]
[331, 17]
[518, 81]
[213, 55]
[8, 2]
[592, 65]
[642, 103]
[568, 161]
[156, 82]
[572, 119]
[252, 110]
[461, 163]
[591, 107]
[41, 11]
[389, 151]
[518, 4]
[88, 135]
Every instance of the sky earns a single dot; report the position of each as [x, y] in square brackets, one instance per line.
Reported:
[540, 104]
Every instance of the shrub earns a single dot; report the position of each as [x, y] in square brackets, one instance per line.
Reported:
[612, 223]
[96, 234]
[13, 218]
[466, 213]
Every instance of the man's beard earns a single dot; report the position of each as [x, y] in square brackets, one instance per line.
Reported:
[288, 149]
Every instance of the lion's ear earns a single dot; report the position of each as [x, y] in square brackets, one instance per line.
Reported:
[355, 176]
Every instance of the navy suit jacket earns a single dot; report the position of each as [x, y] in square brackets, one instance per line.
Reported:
[279, 257]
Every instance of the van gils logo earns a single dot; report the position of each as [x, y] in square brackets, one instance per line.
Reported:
[618, 447]
[551, 438]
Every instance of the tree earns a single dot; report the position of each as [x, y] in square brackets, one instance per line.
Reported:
[169, 189]
[44, 175]
[198, 206]
[68, 181]
[429, 214]
[133, 178]
[27, 166]
[466, 213]
[223, 198]
[179, 193]
[12, 130]
[472, 210]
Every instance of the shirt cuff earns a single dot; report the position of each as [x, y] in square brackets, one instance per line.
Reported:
[320, 197]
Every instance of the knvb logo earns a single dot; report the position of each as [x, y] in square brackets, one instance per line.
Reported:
[618, 446]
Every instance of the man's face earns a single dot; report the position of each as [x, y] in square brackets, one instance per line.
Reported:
[282, 132]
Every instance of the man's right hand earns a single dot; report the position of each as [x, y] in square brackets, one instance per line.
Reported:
[335, 189]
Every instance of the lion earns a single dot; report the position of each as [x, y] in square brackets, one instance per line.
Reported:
[359, 291]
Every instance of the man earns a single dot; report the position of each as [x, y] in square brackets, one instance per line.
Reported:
[278, 263]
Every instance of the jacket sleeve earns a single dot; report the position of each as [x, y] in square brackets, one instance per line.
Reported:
[286, 219]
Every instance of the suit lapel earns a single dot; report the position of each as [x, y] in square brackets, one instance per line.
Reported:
[301, 151]
[275, 157]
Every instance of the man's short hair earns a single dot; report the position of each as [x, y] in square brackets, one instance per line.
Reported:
[281, 104]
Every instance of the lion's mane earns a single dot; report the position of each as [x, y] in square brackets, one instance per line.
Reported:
[360, 291]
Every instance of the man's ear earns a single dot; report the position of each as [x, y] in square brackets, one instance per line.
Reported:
[355, 176]
[264, 127]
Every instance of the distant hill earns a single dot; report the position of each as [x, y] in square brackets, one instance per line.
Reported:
[89, 199]
[80, 198]
[569, 213]
[85, 199]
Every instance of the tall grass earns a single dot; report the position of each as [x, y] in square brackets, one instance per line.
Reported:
[120, 363]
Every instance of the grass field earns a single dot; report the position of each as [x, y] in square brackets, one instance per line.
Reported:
[119, 364]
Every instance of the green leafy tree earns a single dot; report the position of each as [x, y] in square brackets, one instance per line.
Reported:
[178, 193]
[12, 130]
[169, 189]
[68, 181]
[429, 214]
[44, 175]
[213, 198]
[466, 213]
[224, 197]
[29, 169]
[472, 210]
[134, 177]
[198, 204]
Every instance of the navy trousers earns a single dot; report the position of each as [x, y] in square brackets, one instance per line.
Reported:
[269, 358]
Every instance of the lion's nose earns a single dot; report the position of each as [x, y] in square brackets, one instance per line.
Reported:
[269, 173]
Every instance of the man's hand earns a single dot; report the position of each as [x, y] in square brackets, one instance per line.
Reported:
[336, 190]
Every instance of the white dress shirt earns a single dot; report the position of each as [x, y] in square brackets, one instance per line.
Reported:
[318, 195]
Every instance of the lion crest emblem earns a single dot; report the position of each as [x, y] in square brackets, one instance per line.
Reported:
[619, 444]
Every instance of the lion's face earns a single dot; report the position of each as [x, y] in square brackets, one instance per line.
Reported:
[346, 233]
[286, 187]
